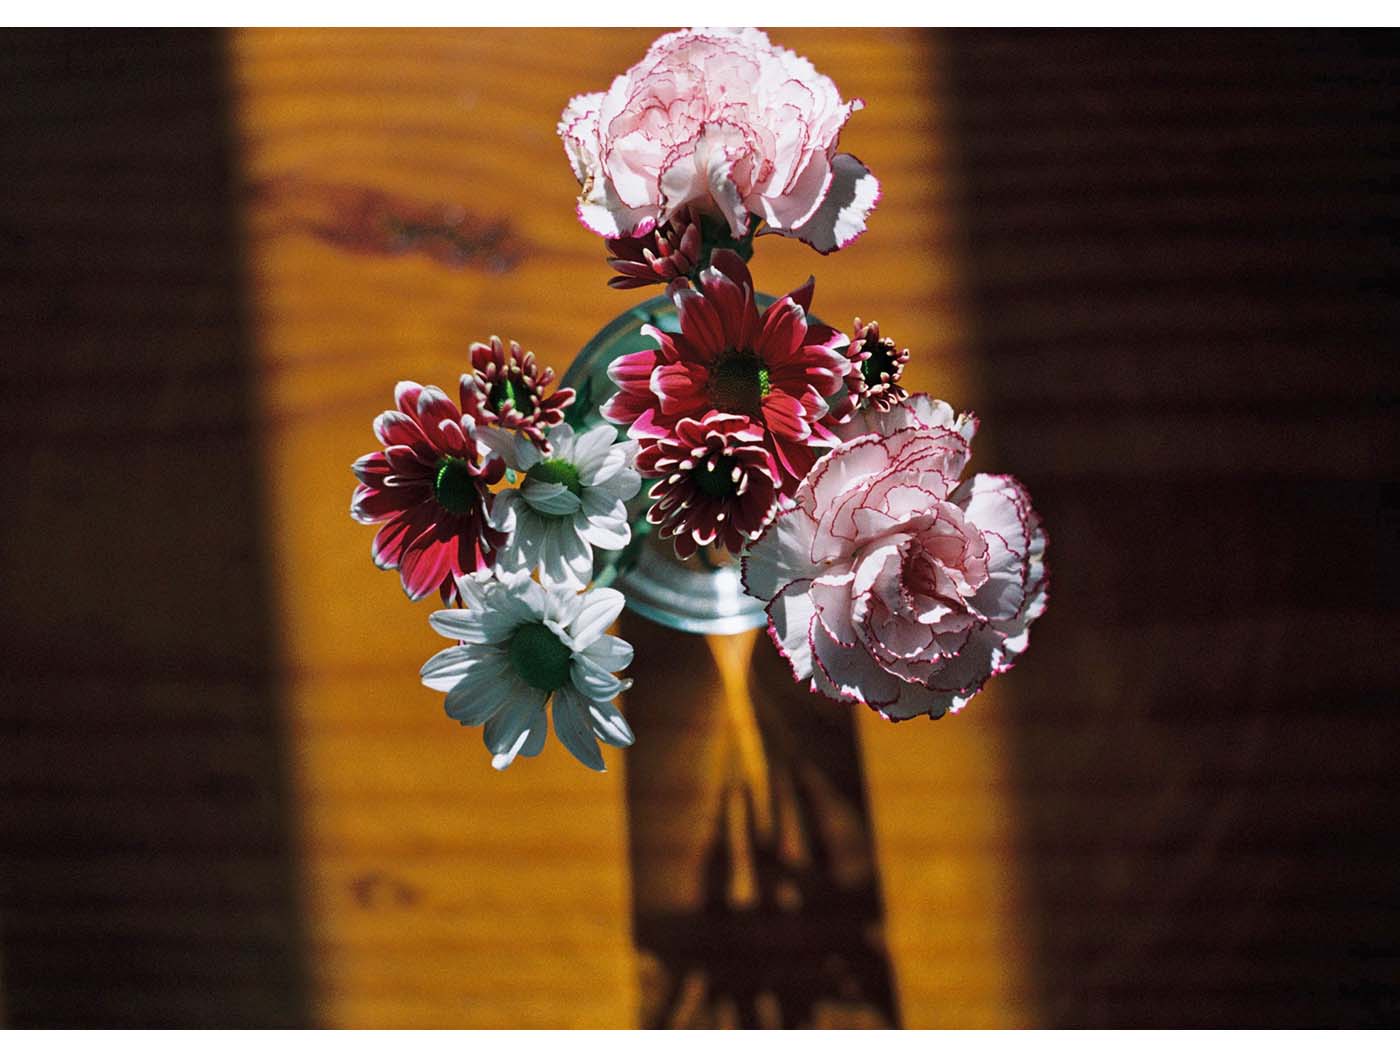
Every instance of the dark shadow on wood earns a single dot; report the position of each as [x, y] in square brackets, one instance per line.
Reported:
[1181, 272]
[147, 838]
[735, 926]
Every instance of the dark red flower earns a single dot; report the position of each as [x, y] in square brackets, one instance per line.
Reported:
[429, 484]
[718, 482]
[774, 369]
[874, 367]
[668, 252]
[506, 390]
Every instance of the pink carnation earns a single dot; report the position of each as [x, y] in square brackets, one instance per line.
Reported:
[889, 582]
[723, 121]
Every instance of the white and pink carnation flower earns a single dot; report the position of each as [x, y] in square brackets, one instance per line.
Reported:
[891, 583]
[723, 121]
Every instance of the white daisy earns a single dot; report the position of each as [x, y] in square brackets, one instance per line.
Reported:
[569, 502]
[521, 646]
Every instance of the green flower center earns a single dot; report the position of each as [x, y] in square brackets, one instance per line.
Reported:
[508, 390]
[557, 471]
[717, 482]
[539, 657]
[881, 361]
[738, 384]
[455, 486]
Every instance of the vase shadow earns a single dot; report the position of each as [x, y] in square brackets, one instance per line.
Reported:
[756, 895]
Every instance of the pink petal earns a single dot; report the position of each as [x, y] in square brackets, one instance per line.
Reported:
[371, 469]
[700, 322]
[785, 416]
[406, 397]
[425, 563]
[784, 326]
[680, 388]
[633, 371]
[371, 505]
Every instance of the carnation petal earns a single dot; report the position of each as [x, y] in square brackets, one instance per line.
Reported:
[779, 557]
[790, 618]
[850, 197]
[852, 670]
[832, 597]
[915, 700]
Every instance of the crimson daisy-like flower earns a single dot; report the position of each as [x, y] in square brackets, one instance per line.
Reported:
[775, 369]
[506, 390]
[429, 486]
[717, 482]
[874, 367]
[668, 252]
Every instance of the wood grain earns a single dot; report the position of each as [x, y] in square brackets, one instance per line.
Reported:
[1161, 267]
[509, 871]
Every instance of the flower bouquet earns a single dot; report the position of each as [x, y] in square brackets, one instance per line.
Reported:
[715, 458]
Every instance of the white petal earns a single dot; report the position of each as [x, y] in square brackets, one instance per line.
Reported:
[624, 484]
[561, 439]
[573, 728]
[519, 453]
[534, 742]
[562, 605]
[592, 681]
[482, 691]
[550, 497]
[502, 760]
[592, 449]
[610, 653]
[555, 569]
[603, 520]
[577, 554]
[600, 608]
[444, 669]
[609, 725]
[506, 731]
[505, 510]
[482, 624]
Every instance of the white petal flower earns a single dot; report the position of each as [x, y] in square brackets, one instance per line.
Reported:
[567, 504]
[524, 650]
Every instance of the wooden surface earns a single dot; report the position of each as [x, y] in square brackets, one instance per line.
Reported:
[1161, 268]
[511, 871]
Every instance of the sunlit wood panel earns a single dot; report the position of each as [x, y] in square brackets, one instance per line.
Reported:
[440, 892]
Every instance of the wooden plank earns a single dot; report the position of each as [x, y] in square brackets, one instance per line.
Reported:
[389, 789]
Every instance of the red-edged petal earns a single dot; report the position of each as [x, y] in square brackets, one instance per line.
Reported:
[784, 327]
[786, 417]
[425, 563]
[680, 387]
